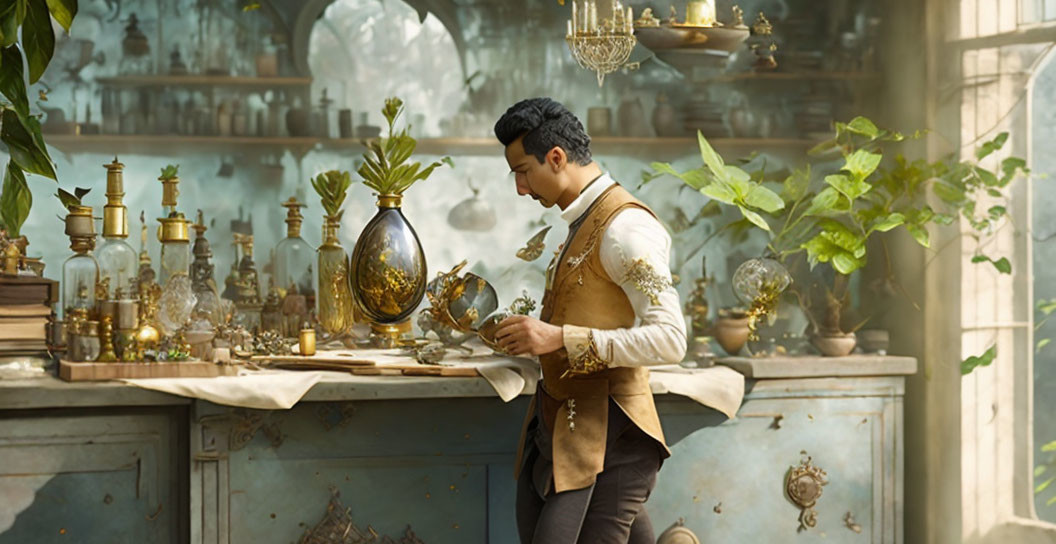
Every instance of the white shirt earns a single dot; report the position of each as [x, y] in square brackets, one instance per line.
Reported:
[634, 238]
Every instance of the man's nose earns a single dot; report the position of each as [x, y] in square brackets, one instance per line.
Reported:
[522, 188]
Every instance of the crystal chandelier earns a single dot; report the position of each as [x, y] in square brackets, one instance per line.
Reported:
[602, 46]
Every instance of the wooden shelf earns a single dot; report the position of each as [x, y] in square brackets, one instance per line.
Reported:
[649, 148]
[204, 81]
[172, 145]
[798, 76]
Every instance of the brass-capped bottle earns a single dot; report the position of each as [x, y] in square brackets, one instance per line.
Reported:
[118, 263]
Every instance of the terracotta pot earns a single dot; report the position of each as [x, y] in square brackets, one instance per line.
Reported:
[834, 344]
[731, 333]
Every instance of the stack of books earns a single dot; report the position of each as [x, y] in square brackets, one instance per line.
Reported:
[26, 316]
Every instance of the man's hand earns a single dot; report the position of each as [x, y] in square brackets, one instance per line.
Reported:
[523, 335]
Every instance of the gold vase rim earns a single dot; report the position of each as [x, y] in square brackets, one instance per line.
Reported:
[390, 200]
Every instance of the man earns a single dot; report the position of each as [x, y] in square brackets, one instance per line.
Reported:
[592, 442]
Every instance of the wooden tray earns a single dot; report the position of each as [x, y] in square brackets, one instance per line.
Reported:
[84, 372]
[418, 370]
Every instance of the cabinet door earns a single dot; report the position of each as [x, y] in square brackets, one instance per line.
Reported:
[90, 478]
[431, 465]
[728, 481]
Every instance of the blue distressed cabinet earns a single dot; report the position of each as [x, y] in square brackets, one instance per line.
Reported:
[432, 458]
[438, 460]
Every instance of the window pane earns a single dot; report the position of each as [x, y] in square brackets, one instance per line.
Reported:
[1043, 203]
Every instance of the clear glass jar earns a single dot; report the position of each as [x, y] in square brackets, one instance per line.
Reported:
[175, 259]
[80, 273]
[293, 265]
[334, 298]
[118, 266]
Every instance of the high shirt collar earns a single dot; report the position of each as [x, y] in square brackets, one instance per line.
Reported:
[590, 193]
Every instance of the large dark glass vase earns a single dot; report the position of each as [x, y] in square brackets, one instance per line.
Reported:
[388, 272]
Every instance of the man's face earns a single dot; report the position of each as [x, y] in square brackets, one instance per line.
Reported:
[540, 180]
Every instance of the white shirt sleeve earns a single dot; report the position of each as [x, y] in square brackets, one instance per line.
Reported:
[634, 252]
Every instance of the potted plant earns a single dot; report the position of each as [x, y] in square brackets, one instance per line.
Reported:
[388, 264]
[335, 306]
[21, 131]
[829, 218]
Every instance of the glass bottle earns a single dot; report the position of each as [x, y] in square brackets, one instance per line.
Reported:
[334, 298]
[177, 298]
[173, 233]
[293, 255]
[208, 311]
[80, 272]
[118, 262]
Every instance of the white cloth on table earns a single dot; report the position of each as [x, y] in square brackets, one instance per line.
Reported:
[718, 387]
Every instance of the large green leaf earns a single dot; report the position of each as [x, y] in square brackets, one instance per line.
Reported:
[824, 202]
[976, 361]
[845, 264]
[11, 16]
[63, 11]
[22, 136]
[795, 185]
[718, 191]
[852, 188]
[988, 178]
[993, 145]
[888, 222]
[755, 218]
[697, 178]
[821, 248]
[1010, 166]
[949, 192]
[764, 199]
[863, 126]
[12, 80]
[823, 147]
[38, 38]
[842, 236]
[711, 158]
[919, 234]
[15, 199]
[862, 163]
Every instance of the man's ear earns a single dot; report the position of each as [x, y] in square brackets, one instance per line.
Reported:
[557, 159]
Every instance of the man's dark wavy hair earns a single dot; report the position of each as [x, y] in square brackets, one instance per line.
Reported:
[545, 124]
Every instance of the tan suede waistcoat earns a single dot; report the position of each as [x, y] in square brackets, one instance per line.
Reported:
[581, 293]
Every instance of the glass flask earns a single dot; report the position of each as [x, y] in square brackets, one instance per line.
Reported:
[174, 233]
[293, 255]
[118, 262]
[334, 299]
[80, 272]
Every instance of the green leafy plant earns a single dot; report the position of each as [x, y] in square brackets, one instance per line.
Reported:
[1045, 473]
[170, 171]
[70, 200]
[385, 167]
[19, 130]
[829, 217]
[332, 187]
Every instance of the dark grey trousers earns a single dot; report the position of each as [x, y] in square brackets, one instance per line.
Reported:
[612, 511]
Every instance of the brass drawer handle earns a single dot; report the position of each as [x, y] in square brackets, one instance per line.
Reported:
[803, 484]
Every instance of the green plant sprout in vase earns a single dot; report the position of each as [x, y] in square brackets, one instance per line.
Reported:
[388, 264]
